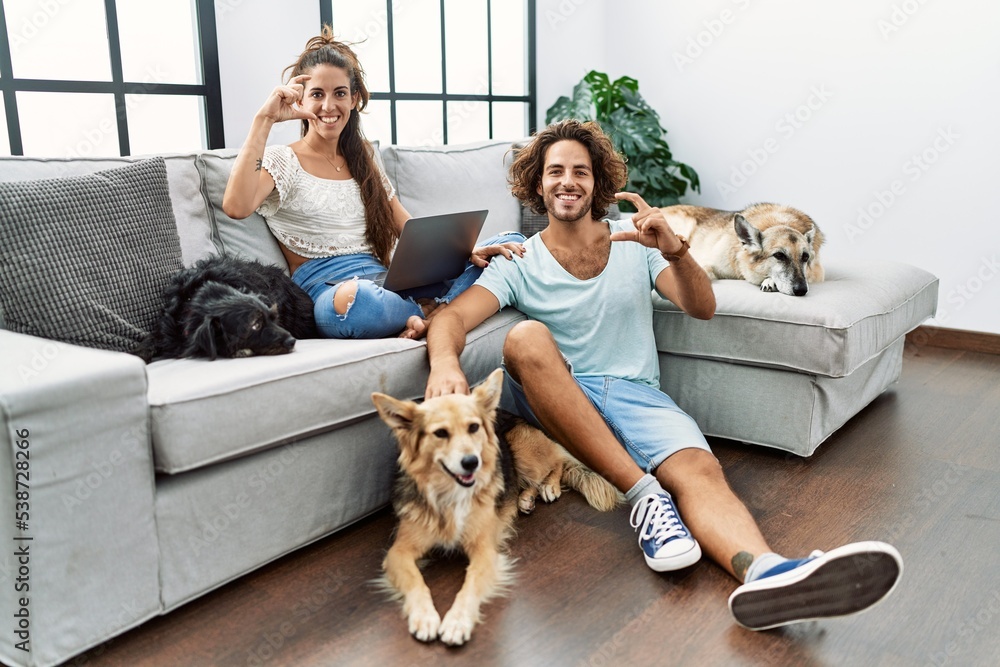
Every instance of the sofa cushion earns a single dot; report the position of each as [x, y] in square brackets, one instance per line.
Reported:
[182, 176]
[860, 309]
[208, 411]
[85, 259]
[446, 179]
[248, 238]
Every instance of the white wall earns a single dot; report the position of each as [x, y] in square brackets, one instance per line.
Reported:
[901, 123]
[878, 118]
[258, 39]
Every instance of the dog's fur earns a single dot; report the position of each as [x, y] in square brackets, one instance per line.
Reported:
[773, 246]
[458, 490]
[228, 307]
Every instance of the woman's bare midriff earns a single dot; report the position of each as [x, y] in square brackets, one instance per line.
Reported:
[294, 260]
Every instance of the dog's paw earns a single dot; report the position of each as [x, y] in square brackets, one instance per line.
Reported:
[769, 285]
[425, 624]
[551, 492]
[526, 501]
[456, 628]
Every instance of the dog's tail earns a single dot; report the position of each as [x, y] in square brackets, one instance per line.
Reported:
[599, 492]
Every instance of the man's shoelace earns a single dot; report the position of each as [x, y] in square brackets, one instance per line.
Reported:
[658, 518]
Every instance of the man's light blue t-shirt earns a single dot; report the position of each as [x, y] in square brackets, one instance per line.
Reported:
[603, 325]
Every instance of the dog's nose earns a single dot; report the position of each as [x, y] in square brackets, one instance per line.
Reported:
[800, 290]
[289, 342]
[470, 462]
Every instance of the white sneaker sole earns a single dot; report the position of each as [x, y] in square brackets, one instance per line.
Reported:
[843, 581]
[678, 562]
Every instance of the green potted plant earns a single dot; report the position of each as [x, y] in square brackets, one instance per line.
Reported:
[634, 128]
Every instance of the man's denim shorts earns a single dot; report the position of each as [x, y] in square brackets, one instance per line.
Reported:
[646, 421]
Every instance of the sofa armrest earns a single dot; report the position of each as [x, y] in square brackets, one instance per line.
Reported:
[78, 545]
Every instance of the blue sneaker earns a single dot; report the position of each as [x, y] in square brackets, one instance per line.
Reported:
[665, 540]
[844, 581]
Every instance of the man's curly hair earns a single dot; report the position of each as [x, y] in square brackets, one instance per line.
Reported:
[610, 172]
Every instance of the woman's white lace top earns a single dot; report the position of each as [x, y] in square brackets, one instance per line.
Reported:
[312, 216]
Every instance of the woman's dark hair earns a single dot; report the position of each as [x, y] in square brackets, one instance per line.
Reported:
[610, 172]
[324, 49]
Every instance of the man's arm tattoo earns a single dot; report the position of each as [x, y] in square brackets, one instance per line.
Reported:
[741, 562]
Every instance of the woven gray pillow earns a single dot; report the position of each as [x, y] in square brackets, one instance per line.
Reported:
[249, 238]
[85, 259]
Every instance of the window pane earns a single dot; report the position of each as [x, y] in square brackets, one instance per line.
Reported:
[465, 47]
[159, 41]
[87, 126]
[510, 120]
[365, 25]
[58, 40]
[4, 139]
[165, 123]
[468, 122]
[419, 123]
[416, 26]
[509, 52]
[376, 122]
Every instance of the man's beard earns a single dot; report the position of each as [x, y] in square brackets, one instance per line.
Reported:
[553, 207]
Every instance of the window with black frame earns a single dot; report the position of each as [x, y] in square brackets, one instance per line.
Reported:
[442, 71]
[86, 78]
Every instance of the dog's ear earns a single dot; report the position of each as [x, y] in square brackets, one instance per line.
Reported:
[811, 235]
[203, 340]
[749, 235]
[488, 393]
[394, 412]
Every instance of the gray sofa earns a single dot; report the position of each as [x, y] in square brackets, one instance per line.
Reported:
[152, 485]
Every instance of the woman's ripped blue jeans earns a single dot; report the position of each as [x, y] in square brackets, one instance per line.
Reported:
[375, 312]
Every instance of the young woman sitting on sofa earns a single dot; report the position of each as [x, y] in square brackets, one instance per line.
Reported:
[330, 205]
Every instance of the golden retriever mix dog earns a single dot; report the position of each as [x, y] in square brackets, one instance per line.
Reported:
[773, 246]
[458, 489]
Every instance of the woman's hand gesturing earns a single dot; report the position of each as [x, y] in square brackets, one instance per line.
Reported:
[284, 102]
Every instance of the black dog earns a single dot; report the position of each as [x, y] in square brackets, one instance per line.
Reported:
[228, 307]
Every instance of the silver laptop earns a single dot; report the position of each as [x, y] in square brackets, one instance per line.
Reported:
[432, 249]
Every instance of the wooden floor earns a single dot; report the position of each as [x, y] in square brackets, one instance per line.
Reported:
[918, 468]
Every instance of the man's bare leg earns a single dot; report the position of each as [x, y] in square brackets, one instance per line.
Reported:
[718, 519]
[533, 359]
[713, 514]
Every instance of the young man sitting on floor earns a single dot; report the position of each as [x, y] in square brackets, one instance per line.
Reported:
[577, 371]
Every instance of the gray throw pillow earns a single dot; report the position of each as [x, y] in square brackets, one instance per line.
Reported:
[249, 238]
[531, 222]
[85, 259]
